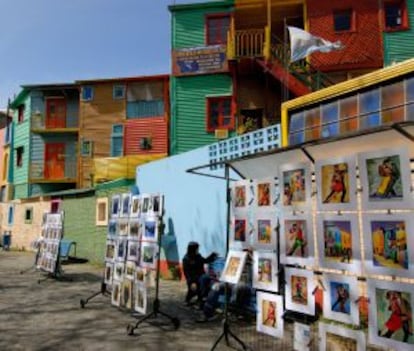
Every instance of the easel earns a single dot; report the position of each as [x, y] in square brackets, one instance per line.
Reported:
[103, 292]
[156, 304]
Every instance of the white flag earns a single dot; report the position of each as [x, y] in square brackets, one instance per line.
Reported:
[303, 44]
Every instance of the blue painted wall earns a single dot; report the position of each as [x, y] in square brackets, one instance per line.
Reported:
[195, 206]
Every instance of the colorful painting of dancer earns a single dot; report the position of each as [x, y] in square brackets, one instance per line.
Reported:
[240, 230]
[263, 194]
[296, 238]
[299, 289]
[264, 231]
[340, 293]
[240, 196]
[294, 187]
[335, 183]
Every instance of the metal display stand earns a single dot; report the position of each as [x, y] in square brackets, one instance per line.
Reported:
[103, 291]
[156, 304]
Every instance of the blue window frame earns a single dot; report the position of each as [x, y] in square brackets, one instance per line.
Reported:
[87, 93]
[118, 92]
[117, 140]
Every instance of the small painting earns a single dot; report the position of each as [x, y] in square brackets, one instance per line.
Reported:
[150, 230]
[123, 227]
[296, 239]
[385, 179]
[121, 249]
[133, 251]
[126, 293]
[269, 314]
[130, 270]
[119, 268]
[299, 289]
[340, 294]
[135, 206]
[125, 204]
[234, 266]
[135, 230]
[336, 184]
[140, 304]
[296, 186]
[391, 314]
[110, 250]
[338, 338]
[108, 273]
[140, 274]
[240, 196]
[145, 203]
[116, 293]
[265, 231]
[157, 204]
[388, 244]
[265, 271]
[112, 228]
[149, 254]
[115, 205]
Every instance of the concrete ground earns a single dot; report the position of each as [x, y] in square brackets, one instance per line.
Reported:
[47, 316]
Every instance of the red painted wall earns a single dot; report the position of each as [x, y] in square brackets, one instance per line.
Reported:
[155, 127]
[363, 47]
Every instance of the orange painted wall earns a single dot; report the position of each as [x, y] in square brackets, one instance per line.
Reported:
[363, 47]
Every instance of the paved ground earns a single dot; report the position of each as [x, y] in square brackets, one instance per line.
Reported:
[47, 316]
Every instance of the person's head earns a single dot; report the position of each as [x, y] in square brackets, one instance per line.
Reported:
[192, 248]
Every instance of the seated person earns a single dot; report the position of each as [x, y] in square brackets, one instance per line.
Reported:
[195, 276]
[238, 294]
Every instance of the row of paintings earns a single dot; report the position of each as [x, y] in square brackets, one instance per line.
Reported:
[129, 205]
[144, 228]
[390, 315]
[387, 243]
[385, 180]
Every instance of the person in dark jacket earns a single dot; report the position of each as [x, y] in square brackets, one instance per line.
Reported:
[195, 275]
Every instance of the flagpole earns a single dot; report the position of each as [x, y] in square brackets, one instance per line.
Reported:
[286, 60]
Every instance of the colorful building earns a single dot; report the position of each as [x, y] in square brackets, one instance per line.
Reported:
[123, 123]
[5, 167]
[45, 137]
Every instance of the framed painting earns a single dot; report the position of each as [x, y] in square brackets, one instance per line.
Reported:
[115, 205]
[389, 244]
[390, 314]
[109, 268]
[123, 227]
[129, 270]
[157, 204]
[386, 179]
[121, 249]
[133, 250]
[338, 338]
[296, 239]
[340, 294]
[296, 186]
[135, 229]
[116, 293]
[119, 268]
[336, 184]
[266, 194]
[145, 199]
[149, 254]
[339, 242]
[140, 299]
[265, 271]
[125, 204]
[265, 226]
[150, 230]
[233, 267]
[135, 206]
[112, 228]
[140, 274]
[126, 293]
[241, 195]
[110, 250]
[239, 232]
[299, 288]
[269, 314]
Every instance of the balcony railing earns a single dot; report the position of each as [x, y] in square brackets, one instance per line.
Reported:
[54, 170]
[249, 43]
[39, 123]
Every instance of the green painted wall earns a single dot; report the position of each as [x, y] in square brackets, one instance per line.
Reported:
[21, 138]
[399, 46]
[188, 109]
[188, 24]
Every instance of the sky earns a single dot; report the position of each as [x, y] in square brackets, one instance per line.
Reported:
[59, 41]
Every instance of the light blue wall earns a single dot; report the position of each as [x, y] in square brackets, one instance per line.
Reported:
[195, 206]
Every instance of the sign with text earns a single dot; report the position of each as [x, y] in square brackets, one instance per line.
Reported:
[199, 60]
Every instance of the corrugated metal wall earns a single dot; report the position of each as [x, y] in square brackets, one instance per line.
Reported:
[188, 109]
[136, 129]
[399, 46]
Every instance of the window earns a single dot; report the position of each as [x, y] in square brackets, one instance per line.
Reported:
[395, 15]
[10, 215]
[343, 20]
[117, 140]
[19, 156]
[20, 114]
[118, 92]
[217, 27]
[369, 106]
[86, 148]
[219, 113]
[28, 215]
[102, 211]
[87, 93]
[392, 103]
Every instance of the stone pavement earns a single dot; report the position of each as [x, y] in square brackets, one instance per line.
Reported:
[47, 316]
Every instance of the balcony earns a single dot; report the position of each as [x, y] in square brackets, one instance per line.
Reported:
[54, 171]
[55, 124]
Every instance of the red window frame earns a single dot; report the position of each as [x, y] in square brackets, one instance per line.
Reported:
[221, 117]
[402, 4]
[20, 113]
[221, 36]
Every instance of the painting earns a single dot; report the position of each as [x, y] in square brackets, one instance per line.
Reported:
[115, 205]
[265, 231]
[110, 250]
[339, 244]
[239, 238]
[266, 193]
[149, 255]
[385, 179]
[336, 184]
[121, 249]
[301, 337]
[234, 266]
[116, 293]
[265, 271]
[126, 293]
[130, 270]
[140, 274]
[340, 293]
[390, 315]
[299, 289]
[109, 267]
[269, 314]
[145, 203]
[133, 251]
[140, 298]
[112, 228]
[240, 195]
[389, 244]
[135, 206]
[338, 338]
[295, 186]
[150, 230]
[118, 273]
[157, 204]
[296, 239]
[125, 204]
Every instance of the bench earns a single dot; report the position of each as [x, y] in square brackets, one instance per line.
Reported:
[64, 249]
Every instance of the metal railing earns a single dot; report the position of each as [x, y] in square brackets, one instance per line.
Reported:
[249, 43]
[53, 170]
